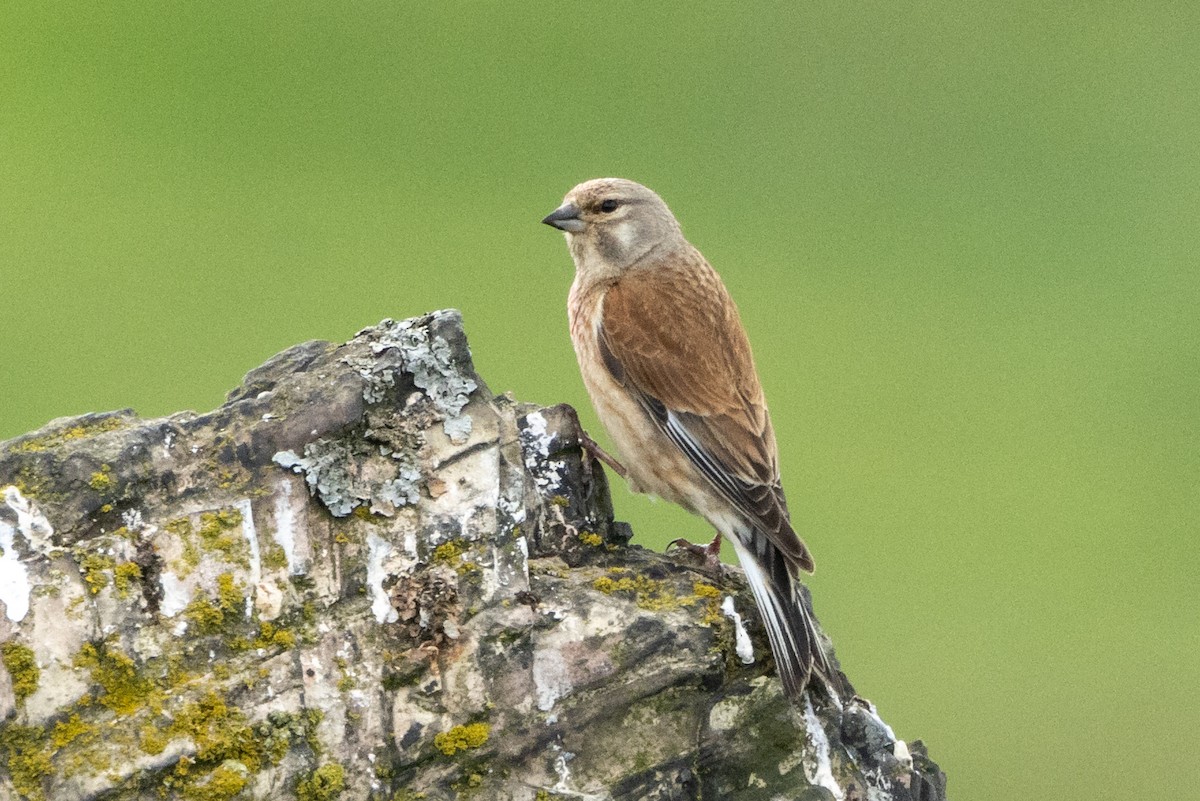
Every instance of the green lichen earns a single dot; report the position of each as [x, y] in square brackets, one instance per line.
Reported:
[95, 571]
[124, 576]
[282, 729]
[229, 592]
[650, 594]
[346, 682]
[408, 795]
[461, 738]
[21, 664]
[274, 557]
[102, 480]
[325, 784]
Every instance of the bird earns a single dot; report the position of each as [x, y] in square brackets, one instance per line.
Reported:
[668, 366]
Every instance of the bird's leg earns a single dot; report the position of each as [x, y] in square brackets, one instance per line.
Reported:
[596, 452]
[711, 552]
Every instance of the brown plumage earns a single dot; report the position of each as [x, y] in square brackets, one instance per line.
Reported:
[667, 363]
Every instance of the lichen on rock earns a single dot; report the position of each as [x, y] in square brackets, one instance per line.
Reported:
[367, 578]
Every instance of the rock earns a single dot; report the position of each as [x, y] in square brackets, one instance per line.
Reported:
[365, 576]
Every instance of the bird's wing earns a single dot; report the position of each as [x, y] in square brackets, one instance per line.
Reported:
[672, 337]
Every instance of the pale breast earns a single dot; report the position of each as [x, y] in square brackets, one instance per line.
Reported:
[655, 465]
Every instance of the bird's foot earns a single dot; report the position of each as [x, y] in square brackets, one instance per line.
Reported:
[596, 452]
[711, 553]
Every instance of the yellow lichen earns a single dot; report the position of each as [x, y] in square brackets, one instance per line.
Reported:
[152, 740]
[124, 575]
[219, 732]
[655, 595]
[27, 758]
[76, 432]
[448, 553]
[102, 480]
[210, 616]
[124, 689]
[451, 554]
[207, 616]
[712, 607]
[70, 730]
[364, 513]
[274, 557]
[461, 738]
[222, 784]
[591, 538]
[269, 636]
[221, 531]
[95, 571]
[22, 668]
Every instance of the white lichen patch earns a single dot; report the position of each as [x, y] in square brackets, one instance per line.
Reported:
[251, 535]
[535, 444]
[132, 518]
[32, 524]
[14, 578]
[379, 550]
[343, 477]
[879, 786]
[176, 594]
[15, 587]
[408, 346]
[874, 715]
[818, 768]
[551, 678]
[741, 638]
[285, 527]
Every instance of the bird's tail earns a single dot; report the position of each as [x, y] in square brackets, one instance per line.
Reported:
[788, 621]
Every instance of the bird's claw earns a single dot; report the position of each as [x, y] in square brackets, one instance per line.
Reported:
[711, 553]
[596, 452]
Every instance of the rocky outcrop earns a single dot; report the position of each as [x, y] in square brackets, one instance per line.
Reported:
[365, 576]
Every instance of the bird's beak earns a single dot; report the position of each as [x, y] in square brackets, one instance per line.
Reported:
[565, 218]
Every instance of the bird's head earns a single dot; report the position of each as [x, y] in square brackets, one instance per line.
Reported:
[611, 224]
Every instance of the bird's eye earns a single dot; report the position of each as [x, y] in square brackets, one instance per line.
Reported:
[608, 205]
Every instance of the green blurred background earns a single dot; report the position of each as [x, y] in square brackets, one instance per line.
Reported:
[964, 241]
